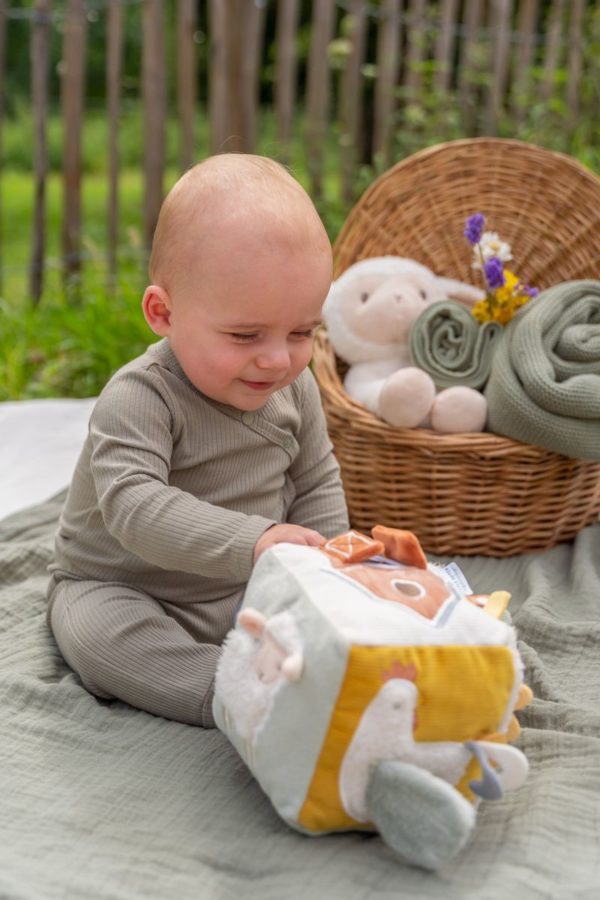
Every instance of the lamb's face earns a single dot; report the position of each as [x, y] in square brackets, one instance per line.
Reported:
[269, 660]
[383, 310]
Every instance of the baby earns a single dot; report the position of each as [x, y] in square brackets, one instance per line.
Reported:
[204, 451]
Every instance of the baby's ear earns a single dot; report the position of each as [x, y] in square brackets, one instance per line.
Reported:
[463, 293]
[156, 306]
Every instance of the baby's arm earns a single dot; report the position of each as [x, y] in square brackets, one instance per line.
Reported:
[319, 502]
[133, 430]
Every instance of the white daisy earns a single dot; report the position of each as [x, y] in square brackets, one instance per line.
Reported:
[490, 245]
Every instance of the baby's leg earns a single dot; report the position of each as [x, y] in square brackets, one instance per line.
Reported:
[124, 645]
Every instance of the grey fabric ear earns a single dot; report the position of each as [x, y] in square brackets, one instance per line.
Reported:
[423, 819]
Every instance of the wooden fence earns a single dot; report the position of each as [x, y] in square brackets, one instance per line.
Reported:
[366, 62]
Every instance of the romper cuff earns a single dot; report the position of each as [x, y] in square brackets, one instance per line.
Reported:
[245, 542]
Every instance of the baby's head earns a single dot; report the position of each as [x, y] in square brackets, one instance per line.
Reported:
[240, 268]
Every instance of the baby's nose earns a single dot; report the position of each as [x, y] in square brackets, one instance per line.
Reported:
[276, 358]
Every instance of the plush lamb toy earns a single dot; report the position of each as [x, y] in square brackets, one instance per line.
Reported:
[369, 312]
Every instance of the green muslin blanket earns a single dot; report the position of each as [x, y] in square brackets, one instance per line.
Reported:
[544, 387]
[451, 346]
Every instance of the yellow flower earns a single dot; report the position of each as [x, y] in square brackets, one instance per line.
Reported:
[481, 311]
[506, 294]
[500, 305]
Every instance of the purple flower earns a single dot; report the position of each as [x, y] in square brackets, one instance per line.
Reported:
[474, 228]
[494, 273]
[530, 292]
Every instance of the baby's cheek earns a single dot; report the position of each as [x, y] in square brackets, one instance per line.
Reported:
[303, 355]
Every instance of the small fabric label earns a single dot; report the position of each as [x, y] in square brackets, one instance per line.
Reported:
[454, 575]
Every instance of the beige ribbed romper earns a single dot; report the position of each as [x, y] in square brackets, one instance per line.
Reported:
[155, 542]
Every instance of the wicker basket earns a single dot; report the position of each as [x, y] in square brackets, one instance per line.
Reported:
[468, 493]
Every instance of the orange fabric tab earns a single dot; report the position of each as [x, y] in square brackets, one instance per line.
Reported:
[352, 547]
[403, 546]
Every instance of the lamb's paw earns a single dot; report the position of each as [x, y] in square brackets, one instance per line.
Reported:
[406, 397]
[459, 409]
[424, 820]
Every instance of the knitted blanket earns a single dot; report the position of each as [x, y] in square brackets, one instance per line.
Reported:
[544, 388]
[99, 801]
[451, 346]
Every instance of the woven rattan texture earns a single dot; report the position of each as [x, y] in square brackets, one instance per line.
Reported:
[470, 493]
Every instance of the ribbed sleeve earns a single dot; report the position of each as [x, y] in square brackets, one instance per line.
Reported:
[319, 496]
[132, 444]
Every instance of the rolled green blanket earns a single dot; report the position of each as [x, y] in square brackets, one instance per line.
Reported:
[451, 346]
[544, 388]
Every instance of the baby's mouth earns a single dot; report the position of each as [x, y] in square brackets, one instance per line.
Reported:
[258, 385]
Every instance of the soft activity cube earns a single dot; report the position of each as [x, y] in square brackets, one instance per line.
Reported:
[366, 691]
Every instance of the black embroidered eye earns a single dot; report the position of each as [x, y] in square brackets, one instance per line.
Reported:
[423, 295]
[364, 298]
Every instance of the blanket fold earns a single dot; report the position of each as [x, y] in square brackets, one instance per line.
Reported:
[451, 346]
[544, 387]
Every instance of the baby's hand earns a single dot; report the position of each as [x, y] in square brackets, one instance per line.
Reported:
[287, 534]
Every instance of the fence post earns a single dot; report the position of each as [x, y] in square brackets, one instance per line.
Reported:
[154, 91]
[72, 88]
[526, 29]
[500, 26]
[351, 101]
[388, 44]
[417, 42]
[317, 90]
[553, 50]
[40, 58]
[236, 44]
[186, 79]
[575, 61]
[470, 65]
[286, 68]
[114, 64]
[2, 66]
[444, 48]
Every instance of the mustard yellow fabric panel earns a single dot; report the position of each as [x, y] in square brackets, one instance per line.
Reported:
[463, 695]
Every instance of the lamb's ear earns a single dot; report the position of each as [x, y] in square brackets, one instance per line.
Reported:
[292, 666]
[463, 293]
[252, 621]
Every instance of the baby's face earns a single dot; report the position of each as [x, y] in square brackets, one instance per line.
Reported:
[242, 328]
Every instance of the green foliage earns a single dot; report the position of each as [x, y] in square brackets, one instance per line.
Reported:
[66, 347]
[82, 331]
[18, 131]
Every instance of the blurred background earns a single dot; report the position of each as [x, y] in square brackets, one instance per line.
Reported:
[103, 103]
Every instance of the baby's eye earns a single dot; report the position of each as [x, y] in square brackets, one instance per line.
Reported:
[303, 335]
[243, 338]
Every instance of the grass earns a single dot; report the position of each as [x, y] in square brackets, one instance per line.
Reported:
[70, 344]
[81, 332]
[69, 349]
